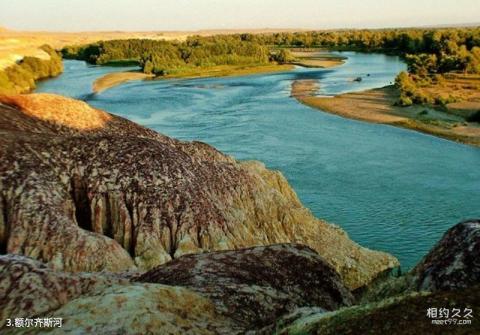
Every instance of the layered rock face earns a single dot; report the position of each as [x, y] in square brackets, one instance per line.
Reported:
[28, 287]
[403, 315]
[225, 292]
[247, 291]
[447, 279]
[454, 262]
[256, 286]
[83, 190]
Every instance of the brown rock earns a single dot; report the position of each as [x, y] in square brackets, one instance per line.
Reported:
[142, 309]
[29, 288]
[100, 303]
[402, 315]
[225, 292]
[84, 190]
[454, 262]
[255, 286]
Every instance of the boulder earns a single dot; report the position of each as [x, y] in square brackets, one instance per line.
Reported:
[256, 286]
[454, 262]
[29, 288]
[222, 292]
[401, 315]
[100, 303]
[142, 309]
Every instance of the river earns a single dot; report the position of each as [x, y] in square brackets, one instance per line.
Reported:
[391, 189]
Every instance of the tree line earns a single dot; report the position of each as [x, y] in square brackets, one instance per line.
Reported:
[426, 50]
[429, 53]
[21, 77]
[165, 57]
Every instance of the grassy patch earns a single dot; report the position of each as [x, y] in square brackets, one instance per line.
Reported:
[224, 70]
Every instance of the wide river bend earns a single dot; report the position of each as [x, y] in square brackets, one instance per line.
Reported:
[391, 189]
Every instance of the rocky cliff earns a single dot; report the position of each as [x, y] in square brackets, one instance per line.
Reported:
[84, 190]
[276, 289]
[256, 286]
[226, 292]
[117, 229]
[446, 281]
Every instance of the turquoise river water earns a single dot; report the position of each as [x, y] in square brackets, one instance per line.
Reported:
[391, 189]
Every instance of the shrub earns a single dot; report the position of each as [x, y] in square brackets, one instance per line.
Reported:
[444, 100]
[21, 78]
[6, 86]
[405, 83]
[148, 67]
[405, 101]
[420, 97]
[283, 56]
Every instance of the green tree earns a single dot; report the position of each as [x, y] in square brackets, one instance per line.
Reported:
[283, 56]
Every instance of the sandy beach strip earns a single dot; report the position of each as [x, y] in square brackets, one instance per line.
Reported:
[378, 106]
[317, 59]
[116, 78]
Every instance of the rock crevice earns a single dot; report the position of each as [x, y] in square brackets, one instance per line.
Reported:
[4, 226]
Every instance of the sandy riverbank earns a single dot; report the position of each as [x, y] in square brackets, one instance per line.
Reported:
[304, 88]
[228, 71]
[113, 79]
[320, 59]
[377, 106]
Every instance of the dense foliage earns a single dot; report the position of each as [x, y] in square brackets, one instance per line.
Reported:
[384, 40]
[21, 77]
[283, 56]
[429, 53]
[453, 50]
[433, 50]
[162, 57]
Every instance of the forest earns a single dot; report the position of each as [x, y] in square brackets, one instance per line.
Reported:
[427, 51]
[430, 54]
[21, 77]
[163, 57]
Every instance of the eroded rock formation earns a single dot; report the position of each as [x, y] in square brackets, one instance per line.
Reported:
[28, 287]
[402, 315]
[143, 309]
[83, 190]
[278, 289]
[101, 303]
[224, 292]
[446, 282]
[454, 262]
[256, 286]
